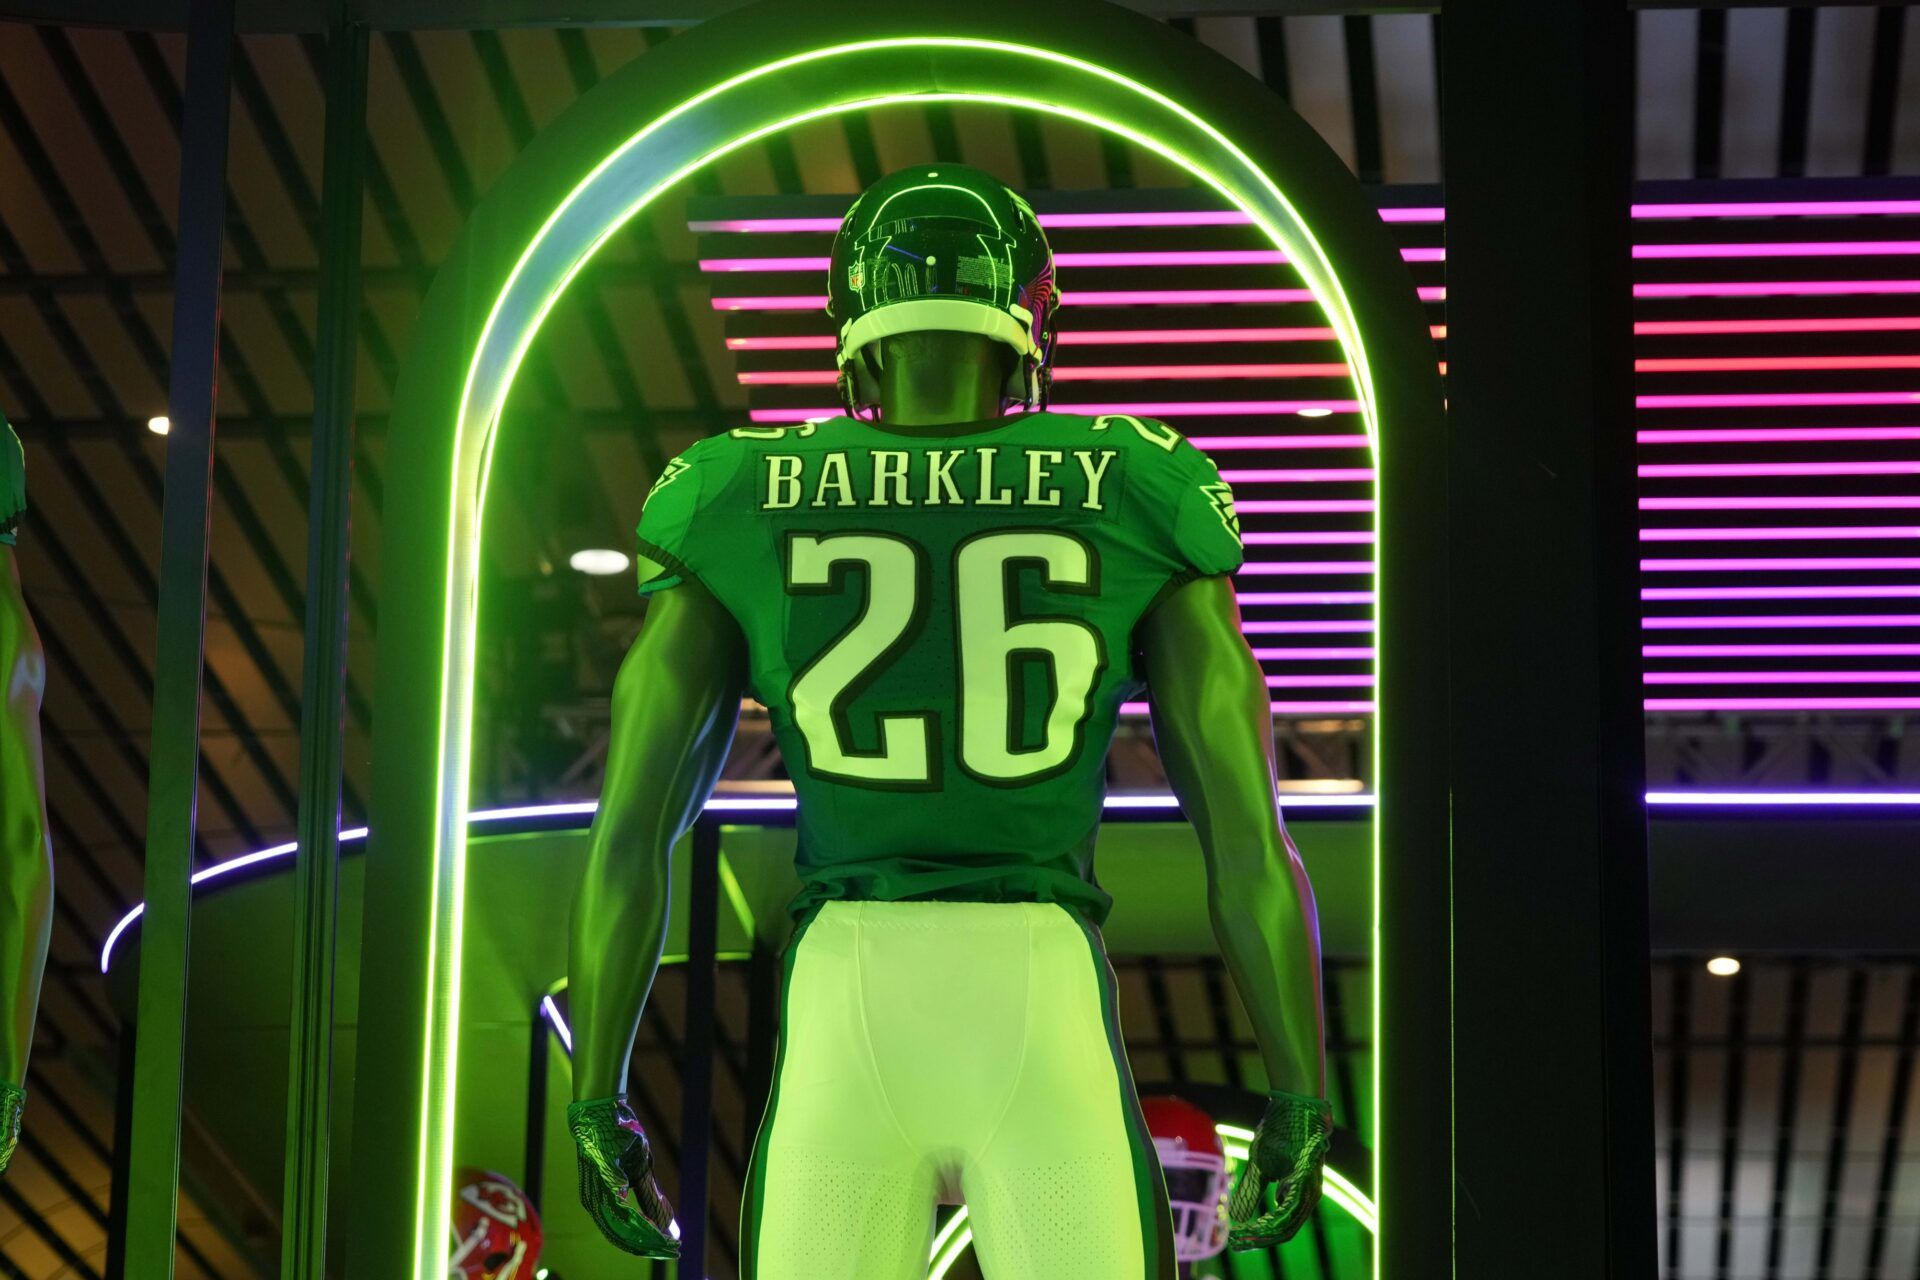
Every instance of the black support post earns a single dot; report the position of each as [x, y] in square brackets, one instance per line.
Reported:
[153, 1178]
[696, 1068]
[1553, 1155]
[303, 1247]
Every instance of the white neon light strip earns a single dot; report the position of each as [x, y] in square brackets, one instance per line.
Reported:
[1114, 803]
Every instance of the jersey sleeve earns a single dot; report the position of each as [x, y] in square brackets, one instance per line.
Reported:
[13, 482]
[1206, 531]
[683, 521]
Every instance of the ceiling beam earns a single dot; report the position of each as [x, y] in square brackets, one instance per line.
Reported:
[281, 16]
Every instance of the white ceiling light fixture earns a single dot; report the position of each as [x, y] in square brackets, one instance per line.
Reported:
[160, 424]
[600, 562]
[1723, 966]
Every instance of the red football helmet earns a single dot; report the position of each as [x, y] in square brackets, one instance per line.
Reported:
[1195, 1165]
[496, 1233]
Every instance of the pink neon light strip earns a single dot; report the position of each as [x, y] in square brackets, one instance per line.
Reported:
[1777, 399]
[1148, 408]
[1773, 435]
[1764, 533]
[1774, 288]
[1793, 324]
[1780, 651]
[1298, 475]
[1315, 538]
[1781, 593]
[1850, 502]
[1309, 506]
[1783, 249]
[1783, 704]
[1283, 708]
[1305, 597]
[1781, 622]
[1309, 627]
[1776, 651]
[1783, 564]
[1657, 470]
[1089, 373]
[1097, 337]
[1335, 681]
[1086, 298]
[1783, 677]
[1235, 218]
[1306, 568]
[1220, 444]
[1339, 653]
[1776, 209]
[1772, 364]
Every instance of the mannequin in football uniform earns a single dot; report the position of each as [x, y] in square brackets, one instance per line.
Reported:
[943, 608]
[26, 856]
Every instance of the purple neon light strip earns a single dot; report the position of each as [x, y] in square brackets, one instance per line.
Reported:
[1650, 212]
[1121, 802]
[1086, 298]
[1336, 680]
[1780, 650]
[1770, 533]
[1228, 444]
[1334, 653]
[1777, 324]
[1664, 470]
[1771, 622]
[1776, 399]
[1783, 704]
[1306, 568]
[1775, 288]
[1308, 627]
[1794, 502]
[1311, 708]
[1315, 538]
[1297, 475]
[1781, 593]
[1305, 597]
[1772, 435]
[1782, 564]
[1782, 677]
[1305, 506]
[1148, 408]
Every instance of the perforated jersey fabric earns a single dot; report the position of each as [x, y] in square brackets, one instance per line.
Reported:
[952, 1052]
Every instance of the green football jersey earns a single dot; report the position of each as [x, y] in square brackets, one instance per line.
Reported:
[13, 482]
[942, 629]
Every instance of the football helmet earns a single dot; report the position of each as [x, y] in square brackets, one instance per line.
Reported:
[496, 1233]
[1195, 1166]
[942, 246]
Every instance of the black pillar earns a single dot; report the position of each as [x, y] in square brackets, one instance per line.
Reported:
[696, 1069]
[1552, 1104]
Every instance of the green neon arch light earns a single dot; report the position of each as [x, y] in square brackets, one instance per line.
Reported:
[723, 86]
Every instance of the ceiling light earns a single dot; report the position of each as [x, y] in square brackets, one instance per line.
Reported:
[160, 425]
[1723, 966]
[1314, 413]
[601, 562]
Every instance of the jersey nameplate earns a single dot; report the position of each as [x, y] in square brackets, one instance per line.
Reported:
[1010, 476]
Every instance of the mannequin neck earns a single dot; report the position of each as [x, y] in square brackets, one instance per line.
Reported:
[937, 378]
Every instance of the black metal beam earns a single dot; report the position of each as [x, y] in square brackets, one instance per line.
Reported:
[696, 1072]
[160, 1055]
[1549, 844]
[324, 682]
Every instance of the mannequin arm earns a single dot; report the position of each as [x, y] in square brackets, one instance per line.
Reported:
[1214, 728]
[26, 855]
[675, 704]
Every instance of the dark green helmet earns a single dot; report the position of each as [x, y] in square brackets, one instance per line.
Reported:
[942, 246]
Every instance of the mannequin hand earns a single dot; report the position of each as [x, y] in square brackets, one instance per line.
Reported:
[616, 1179]
[13, 1101]
[1289, 1150]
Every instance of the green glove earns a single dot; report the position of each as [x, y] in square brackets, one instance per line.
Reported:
[13, 482]
[1289, 1151]
[616, 1178]
[13, 1102]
